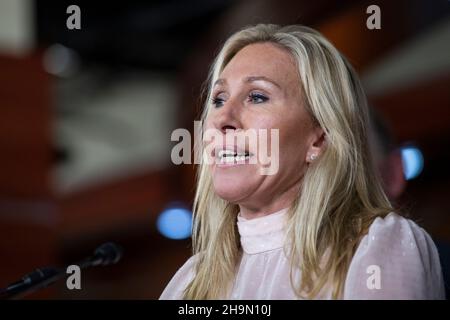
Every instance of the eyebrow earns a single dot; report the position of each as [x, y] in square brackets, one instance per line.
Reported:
[249, 79]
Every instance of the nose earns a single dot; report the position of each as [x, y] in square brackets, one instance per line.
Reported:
[227, 117]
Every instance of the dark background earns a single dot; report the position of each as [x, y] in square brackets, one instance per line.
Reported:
[86, 117]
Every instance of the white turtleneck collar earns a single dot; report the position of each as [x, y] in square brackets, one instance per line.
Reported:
[263, 233]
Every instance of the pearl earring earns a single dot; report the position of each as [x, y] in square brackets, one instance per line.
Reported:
[313, 157]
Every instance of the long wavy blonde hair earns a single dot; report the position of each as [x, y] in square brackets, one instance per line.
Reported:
[341, 193]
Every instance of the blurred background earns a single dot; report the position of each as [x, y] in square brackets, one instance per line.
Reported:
[86, 117]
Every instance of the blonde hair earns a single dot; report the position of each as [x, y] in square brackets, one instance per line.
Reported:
[340, 194]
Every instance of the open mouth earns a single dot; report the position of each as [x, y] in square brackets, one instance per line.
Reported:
[231, 157]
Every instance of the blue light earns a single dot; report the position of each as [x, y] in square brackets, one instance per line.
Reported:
[175, 223]
[412, 162]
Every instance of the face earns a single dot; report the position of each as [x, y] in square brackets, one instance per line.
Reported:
[260, 88]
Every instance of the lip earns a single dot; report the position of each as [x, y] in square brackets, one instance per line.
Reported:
[231, 164]
[234, 149]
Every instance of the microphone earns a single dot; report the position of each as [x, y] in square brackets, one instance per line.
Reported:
[41, 275]
[106, 254]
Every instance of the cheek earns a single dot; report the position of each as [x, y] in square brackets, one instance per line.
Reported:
[293, 144]
[208, 122]
[291, 135]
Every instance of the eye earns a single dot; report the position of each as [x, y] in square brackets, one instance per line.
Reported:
[257, 98]
[217, 101]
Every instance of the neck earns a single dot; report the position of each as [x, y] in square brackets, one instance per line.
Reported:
[259, 208]
[252, 212]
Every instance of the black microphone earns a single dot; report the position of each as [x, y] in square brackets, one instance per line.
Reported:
[41, 275]
[106, 254]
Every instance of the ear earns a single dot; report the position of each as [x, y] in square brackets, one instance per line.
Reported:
[316, 145]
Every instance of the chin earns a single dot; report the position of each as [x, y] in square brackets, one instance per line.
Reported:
[231, 196]
[233, 190]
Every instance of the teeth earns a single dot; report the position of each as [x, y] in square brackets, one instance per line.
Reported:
[226, 153]
[233, 158]
[228, 160]
[230, 156]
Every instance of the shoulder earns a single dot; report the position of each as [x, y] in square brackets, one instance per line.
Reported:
[175, 287]
[396, 259]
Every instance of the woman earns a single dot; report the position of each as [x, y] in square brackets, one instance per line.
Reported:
[321, 226]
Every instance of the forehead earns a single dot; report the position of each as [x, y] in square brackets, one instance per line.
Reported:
[262, 59]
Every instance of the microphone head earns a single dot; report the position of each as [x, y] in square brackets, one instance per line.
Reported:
[108, 253]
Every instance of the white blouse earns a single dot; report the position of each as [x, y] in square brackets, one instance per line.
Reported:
[396, 260]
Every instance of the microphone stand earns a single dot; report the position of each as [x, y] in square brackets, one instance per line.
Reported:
[38, 279]
[108, 253]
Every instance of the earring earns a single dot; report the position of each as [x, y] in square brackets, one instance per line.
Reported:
[313, 157]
